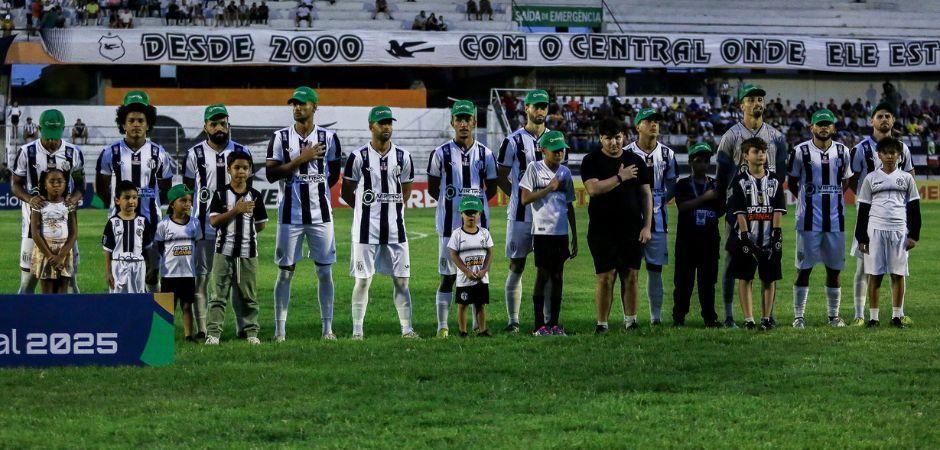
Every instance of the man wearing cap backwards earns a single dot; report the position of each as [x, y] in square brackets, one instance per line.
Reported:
[377, 183]
[817, 171]
[305, 160]
[32, 159]
[205, 173]
[457, 168]
[729, 159]
[141, 161]
[518, 149]
[663, 171]
[865, 161]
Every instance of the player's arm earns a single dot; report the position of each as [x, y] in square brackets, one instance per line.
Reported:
[724, 160]
[861, 225]
[18, 187]
[491, 187]
[277, 170]
[164, 187]
[103, 178]
[336, 163]
[78, 180]
[492, 176]
[504, 166]
[782, 156]
[405, 192]
[670, 180]
[503, 181]
[349, 192]
[434, 187]
[647, 197]
[852, 182]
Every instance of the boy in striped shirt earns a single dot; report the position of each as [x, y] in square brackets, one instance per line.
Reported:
[238, 214]
[126, 237]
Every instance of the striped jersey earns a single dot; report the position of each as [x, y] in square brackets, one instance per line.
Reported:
[757, 199]
[888, 194]
[209, 169]
[516, 152]
[820, 206]
[461, 173]
[865, 159]
[33, 159]
[30, 129]
[238, 238]
[663, 171]
[176, 243]
[143, 167]
[379, 216]
[304, 197]
[127, 239]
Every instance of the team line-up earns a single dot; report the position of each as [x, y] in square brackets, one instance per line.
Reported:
[208, 236]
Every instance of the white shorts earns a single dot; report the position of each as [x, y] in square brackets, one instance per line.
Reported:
[445, 266]
[814, 247]
[321, 245]
[129, 277]
[387, 259]
[886, 253]
[518, 239]
[26, 252]
[656, 251]
[203, 256]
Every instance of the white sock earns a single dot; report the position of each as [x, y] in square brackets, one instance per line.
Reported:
[749, 319]
[27, 283]
[603, 324]
[443, 307]
[513, 295]
[325, 297]
[860, 288]
[360, 300]
[800, 294]
[654, 290]
[281, 300]
[834, 296]
[902, 303]
[896, 312]
[629, 320]
[403, 303]
[873, 313]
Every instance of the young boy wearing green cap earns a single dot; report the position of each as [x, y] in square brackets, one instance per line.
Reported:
[548, 187]
[700, 208]
[471, 252]
[175, 240]
[818, 171]
[33, 159]
[458, 169]
[205, 174]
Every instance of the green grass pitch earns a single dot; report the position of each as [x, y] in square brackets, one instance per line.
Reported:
[693, 387]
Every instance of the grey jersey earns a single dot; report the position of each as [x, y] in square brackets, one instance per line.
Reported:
[729, 150]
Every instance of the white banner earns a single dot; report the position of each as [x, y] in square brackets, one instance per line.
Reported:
[409, 48]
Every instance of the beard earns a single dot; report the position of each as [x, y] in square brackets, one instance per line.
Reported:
[822, 137]
[757, 112]
[219, 138]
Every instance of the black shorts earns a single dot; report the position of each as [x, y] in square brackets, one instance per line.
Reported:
[478, 294]
[182, 288]
[551, 252]
[15, 120]
[743, 266]
[615, 251]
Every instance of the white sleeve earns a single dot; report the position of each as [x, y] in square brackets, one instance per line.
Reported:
[528, 179]
[434, 164]
[795, 164]
[104, 161]
[407, 174]
[353, 169]
[189, 171]
[912, 193]
[452, 243]
[490, 162]
[19, 163]
[864, 195]
[166, 170]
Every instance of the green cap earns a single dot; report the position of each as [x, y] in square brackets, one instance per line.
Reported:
[176, 192]
[751, 90]
[470, 203]
[536, 96]
[136, 97]
[553, 141]
[380, 113]
[647, 114]
[51, 124]
[465, 107]
[883, 106]
[701, 147]
[303, 94]
[217, 109]
[823, 115]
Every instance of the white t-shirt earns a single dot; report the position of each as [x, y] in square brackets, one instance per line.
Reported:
[549, 213]
[612, 89]
[472, 249]
[55, 221]
[888, 194]
[177, 243]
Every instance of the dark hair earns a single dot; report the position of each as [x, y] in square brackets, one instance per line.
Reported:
[890, 144]
[235, 156]
[149, 112]
[122, 187]
[42, 180]
[755, 142]
[610, 127]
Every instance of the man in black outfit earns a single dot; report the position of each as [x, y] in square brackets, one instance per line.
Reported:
[697, 239]
[620, 213]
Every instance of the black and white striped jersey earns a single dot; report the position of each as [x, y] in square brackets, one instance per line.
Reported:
[304, 197]
[821, 173]
[663, 171]
[516, 152]
[127, 239]
[238, 238]
[33, 159]
[143, 167]
[757, 199]
[865, 159]
[461, 173]
[379, 216]
[210, 171]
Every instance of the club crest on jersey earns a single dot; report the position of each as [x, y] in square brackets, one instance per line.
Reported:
[152, 164]
[139, 232]
[899, 182]
[66, 166]
[368, 197]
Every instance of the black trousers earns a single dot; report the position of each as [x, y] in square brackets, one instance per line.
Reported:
[696, 259]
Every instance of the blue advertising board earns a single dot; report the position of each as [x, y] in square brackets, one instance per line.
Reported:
[86, 329]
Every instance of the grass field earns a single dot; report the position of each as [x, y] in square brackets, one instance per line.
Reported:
[689, 387]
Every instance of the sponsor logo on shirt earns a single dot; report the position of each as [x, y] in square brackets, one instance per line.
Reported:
[182, 250]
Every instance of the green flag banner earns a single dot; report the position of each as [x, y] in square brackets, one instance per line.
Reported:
[558, 16]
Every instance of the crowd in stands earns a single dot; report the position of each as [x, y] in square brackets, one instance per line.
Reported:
[707, 120]
[475, 12]
[423, 22]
